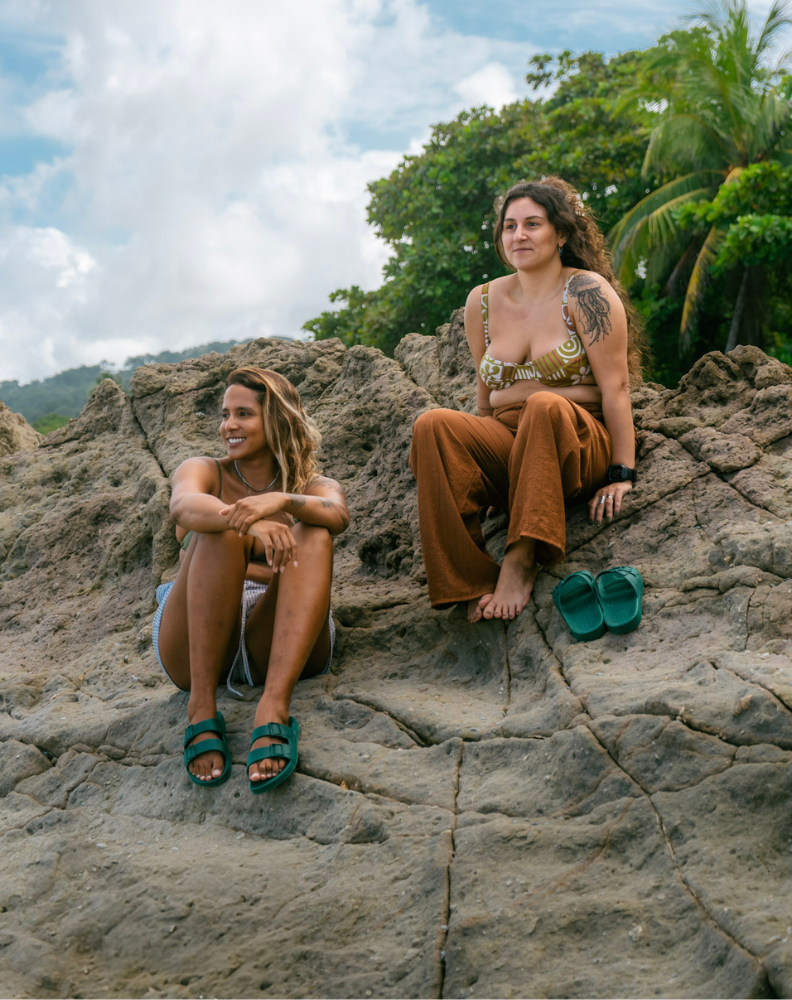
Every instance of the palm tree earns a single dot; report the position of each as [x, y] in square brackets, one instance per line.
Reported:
[720, 107]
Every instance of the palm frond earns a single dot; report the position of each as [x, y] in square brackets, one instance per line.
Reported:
[697, 285]
[654, 232]
[696, 181]
[680, 275]
[777, 18]
[685, 140]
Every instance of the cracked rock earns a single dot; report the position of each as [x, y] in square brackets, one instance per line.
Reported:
[479, 810]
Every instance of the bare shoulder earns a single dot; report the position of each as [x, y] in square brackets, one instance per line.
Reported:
[594, 304]
[324, 486]
[474, 297]
[581, 281]
[197, 468]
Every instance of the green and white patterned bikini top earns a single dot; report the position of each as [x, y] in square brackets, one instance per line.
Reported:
[565, 365]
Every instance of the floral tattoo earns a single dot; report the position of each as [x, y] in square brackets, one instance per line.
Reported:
[593, 305]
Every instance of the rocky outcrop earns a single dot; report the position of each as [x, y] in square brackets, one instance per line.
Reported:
[16, 434]
[479, 810]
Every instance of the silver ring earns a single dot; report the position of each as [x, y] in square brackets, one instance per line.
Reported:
[611, 496]
[601, 501]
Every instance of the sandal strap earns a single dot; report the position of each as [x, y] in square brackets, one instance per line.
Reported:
[190, 753]
[582, 574]
[276, 729]
[281, 750]
[216, 725]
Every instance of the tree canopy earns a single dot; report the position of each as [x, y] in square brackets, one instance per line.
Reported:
[680, 151]
[435, 210]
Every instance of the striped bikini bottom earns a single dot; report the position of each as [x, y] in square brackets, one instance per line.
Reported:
[252, 592]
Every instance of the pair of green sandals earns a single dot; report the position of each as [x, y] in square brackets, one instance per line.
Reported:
[611, 601]
[287, 750]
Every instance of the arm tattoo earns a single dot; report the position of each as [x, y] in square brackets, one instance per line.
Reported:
[295, 500]
[327, 503]
[593, 305]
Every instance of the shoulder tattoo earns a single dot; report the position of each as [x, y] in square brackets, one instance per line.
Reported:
[594, 306]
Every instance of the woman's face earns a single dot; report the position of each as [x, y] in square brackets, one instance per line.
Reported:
[528, 238]
[242, 425]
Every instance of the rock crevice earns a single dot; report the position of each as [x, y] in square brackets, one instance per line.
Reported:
[613, 813]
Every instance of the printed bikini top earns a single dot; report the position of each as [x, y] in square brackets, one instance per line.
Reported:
[565, 365]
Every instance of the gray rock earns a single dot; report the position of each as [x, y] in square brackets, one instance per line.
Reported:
[479, 810]
[16, 434]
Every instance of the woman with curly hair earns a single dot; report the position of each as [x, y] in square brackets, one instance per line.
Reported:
[252, 597]
[556, 346]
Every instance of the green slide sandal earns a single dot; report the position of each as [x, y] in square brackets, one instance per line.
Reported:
[289, 733]
[576, 599]
[620, 592]
[216, 725]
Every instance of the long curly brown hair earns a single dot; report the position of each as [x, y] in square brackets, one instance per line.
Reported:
[290, 432]
[585, 248]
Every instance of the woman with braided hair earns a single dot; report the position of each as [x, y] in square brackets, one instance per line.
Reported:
[556, 347]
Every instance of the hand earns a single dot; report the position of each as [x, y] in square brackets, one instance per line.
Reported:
[280, 547]
[242, 514]
[607, 501]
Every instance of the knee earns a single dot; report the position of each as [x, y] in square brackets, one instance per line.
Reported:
[228, 541]
[542, 400]
[434, 427]
[429, 423]
[544, 404]
[313, 536]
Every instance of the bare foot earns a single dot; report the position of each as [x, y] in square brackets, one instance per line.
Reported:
[515, 583]
[268, 711]
[475, 607]
[209, 765]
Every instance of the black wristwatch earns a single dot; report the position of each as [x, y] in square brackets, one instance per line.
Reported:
[620, 474]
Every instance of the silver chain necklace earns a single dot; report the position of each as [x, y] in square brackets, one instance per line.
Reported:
[253, 488]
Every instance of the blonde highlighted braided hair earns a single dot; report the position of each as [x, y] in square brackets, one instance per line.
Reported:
[291, 434]
[585, 248]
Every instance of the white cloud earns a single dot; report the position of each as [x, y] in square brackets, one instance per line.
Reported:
[207, 189]
[492, 84]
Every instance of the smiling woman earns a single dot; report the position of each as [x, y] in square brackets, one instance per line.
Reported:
[252, 597]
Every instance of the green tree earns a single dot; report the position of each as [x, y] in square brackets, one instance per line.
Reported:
[435, 210]
[719, 107]
[753, 214]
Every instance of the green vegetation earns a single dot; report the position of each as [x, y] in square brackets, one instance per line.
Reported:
[50, 422]
[722, 109]
[50, 402]
[651, 139]
[435, 210]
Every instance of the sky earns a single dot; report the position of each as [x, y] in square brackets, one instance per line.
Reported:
[179, 172]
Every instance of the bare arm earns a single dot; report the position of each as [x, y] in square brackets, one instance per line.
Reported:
[323, 504]
[600, 319]
[474, 331]
[192, 505]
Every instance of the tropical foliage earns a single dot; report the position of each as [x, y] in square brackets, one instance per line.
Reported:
[435, 210]
[720, 106]
[682, 152]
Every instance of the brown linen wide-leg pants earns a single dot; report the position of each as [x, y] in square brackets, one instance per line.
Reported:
[533, 458]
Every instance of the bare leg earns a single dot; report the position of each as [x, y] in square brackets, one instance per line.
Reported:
[287, 633]
[200, 626]
[515, 582]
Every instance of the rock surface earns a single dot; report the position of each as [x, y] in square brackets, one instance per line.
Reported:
[16, 434]
[479, 810]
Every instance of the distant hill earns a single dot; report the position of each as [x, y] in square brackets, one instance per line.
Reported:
[51, 401]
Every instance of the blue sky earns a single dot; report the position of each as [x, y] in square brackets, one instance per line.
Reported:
[189, 171]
